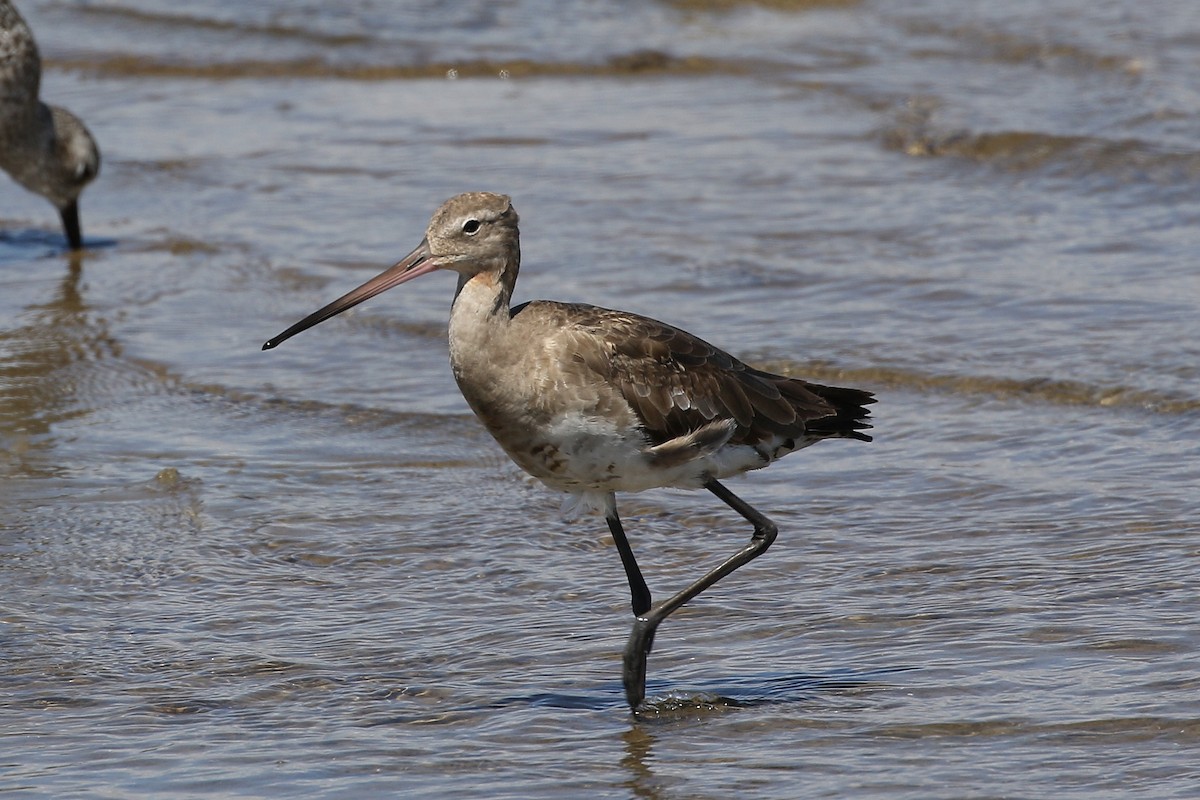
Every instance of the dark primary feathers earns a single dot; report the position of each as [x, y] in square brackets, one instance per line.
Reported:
[678, 383]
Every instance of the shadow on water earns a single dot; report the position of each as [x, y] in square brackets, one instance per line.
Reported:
[19, 244]
[668, 706]
[762, 689]
[750, 691]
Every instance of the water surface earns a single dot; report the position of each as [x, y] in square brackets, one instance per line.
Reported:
[309, 572]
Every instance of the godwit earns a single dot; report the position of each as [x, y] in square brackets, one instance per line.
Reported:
[44, 148]
[593, 402]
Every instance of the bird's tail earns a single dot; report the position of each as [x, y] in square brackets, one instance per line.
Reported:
[851, 415]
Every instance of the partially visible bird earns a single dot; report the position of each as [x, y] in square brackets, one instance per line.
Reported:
[46, 149]
[593, 401]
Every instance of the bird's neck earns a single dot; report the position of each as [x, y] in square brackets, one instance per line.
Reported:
[480, 313]
[480, 339]
[486, 294]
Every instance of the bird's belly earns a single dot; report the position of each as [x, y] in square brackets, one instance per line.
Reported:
[577, 452]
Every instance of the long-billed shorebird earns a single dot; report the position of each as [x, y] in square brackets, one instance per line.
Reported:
[593, 402]
[44, 148]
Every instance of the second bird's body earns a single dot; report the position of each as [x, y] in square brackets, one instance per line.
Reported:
[46, 149]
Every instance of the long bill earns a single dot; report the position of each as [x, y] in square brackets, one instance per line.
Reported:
[415, 264]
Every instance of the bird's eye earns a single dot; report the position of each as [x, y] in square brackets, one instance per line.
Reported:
[471, 227]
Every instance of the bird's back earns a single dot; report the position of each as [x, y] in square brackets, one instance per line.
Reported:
[676, 383]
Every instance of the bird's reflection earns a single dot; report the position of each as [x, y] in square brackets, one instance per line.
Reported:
[639, 744]
[37, 388]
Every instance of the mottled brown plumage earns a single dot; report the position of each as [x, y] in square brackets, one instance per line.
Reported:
[593, 401]
[677, 382]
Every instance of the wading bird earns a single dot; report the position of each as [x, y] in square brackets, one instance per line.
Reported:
[593, 402]
[44, 148]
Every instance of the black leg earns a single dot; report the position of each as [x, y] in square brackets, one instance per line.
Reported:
[639, 592]
[642, 637]
[70, 221]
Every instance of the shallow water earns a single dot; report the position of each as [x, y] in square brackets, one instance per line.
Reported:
[309, 572]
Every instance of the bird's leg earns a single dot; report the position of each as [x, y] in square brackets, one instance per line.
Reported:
[639, 592]
[642, 637]
[70, 221]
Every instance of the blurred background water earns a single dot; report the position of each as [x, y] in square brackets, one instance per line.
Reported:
[309, 572]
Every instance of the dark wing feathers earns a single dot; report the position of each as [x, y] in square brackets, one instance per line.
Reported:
[677, 383]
